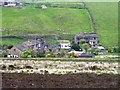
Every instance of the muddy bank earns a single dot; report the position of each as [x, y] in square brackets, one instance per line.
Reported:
[82, 80]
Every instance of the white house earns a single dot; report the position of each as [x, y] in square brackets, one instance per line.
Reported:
[65, 44]
[9, 3]
[43, 6]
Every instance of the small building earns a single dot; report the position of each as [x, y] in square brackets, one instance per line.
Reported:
[43, 6]
[91, 38]
[65, 44]
[17, 50]
[9, 3]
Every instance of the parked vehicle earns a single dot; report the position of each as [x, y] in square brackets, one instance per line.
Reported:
[87, 55]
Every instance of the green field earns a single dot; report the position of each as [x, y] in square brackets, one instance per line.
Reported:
[48, 21]
[106, 20]
[63, 21]
[11, 41]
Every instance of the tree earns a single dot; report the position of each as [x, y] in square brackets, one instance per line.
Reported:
[116, 49]
[96, 51]
[40, 54]
[51, 54]
[110, 50]
[34, 54]
[5, 47]
[90, 51]
[82, 41]
[10, 46]
[4, 54]
[76, 47]
[85, 46]
[63, 53]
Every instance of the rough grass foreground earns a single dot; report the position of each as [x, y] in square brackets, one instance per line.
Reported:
[58, 67]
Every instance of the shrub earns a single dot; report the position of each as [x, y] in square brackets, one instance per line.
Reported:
[85, 47]
[51, 54]
[116, 49]
[96, 51]
[26, 54]
[82, 41]
[4, 54]
[5, 47]
[41, 54]
[73, 54]
[110, 50]
[63, 53]
[34, 54]
[10, 46]
[90, 51]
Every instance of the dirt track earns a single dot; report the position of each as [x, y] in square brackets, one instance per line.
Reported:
[60, 81]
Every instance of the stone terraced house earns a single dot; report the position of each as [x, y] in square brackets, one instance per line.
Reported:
[35, 45]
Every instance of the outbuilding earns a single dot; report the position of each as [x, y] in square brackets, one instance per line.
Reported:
[9, 3]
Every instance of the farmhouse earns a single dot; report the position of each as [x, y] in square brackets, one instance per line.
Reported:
[34, 45]
[91, 38]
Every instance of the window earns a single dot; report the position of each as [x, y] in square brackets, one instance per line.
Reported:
[66, 46]
[5, 3]
[14, 49]
[94, 38]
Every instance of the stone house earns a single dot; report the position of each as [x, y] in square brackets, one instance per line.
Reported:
[34, 45]
[17, 50]
[91, 38]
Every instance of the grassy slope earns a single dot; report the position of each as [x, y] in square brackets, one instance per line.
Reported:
[48, 21]
[106, 19]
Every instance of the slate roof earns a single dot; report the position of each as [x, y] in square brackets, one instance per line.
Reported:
[22, 47]
[87, 35]
[34, 45]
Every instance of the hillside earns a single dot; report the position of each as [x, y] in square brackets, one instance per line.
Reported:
[106, 21]
[32, 20]
[48, 21]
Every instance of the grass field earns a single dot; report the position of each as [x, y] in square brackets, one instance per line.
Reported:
[106, 20]
[11, 41]
[47, 21]
[64, 21]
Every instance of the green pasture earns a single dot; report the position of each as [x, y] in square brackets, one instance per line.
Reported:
[31, 20]
[11, 41]
[106, 21]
